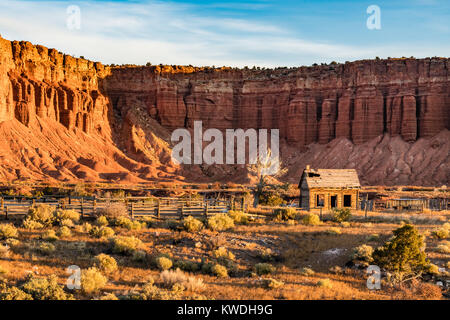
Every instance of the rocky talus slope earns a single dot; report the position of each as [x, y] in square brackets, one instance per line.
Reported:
[69, 119]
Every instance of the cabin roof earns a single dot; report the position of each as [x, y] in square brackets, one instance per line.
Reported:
[330, 178]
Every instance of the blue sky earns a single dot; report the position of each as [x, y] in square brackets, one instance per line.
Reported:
[234, 33]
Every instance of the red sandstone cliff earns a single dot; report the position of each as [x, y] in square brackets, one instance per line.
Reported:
[66, 119]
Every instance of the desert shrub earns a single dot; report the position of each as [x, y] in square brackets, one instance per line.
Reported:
[46, 248]
[61, 215]
[92, 280]
[404, 253]
[12, 242]
[172, 225]
[101, 232]
[169, 278]
[186, 265]
[163, 263]
[109, 296]
[13, 293]
[334, 231]
[336, 270]
[441, 233]
[64, 232]
[324, 283]
[45, 289]
[373, 237]
[219, 271]
[220, 222]
[285, 214]
[307, 272]
[362, 254]
[151, 292]
[125, 245]
[105, 263]
[266, 254]
[113, 210]
[67, 223]
[191, 224]
[129, 224]
[42, 213]
[444, 247]
[268, 198]
[270, 283]
[30, 224]
[139, 256]
[4, 251]
[101, 221]
[341, 215]
[345, 224]
[8, 231]
[50, 235]
[85, 227]
[223, 253]
[311, 220]
[264, 268]
[239, 217]
[432, 268]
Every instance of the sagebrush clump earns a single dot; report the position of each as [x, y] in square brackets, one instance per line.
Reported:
[125, 245]
[101, 232]
[45, 289]
[163, 263]
[8, 231]
[92, 280]
[342, 215]
[362, 255]
[105, 263]
[113, 210]
[285, 214]
[311, 220]
[219, 271]
[220, 222]
[223, 253]
[264, 268]
[191, 224]
[239, 217]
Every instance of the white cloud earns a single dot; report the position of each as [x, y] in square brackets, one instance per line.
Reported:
[173, 34]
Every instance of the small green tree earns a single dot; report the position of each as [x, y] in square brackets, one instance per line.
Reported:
[404, 254]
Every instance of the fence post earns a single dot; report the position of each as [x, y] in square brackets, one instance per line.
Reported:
[158, 212]
[206, 209]
[2, 203]
[321, 214]
[33, 202]
[81, 208]
[132, 210]
[6, 213]
[366, 206]
[182, 211]
[94, 206]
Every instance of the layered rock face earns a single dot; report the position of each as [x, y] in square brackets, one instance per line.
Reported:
[359, 101]
[100, 123]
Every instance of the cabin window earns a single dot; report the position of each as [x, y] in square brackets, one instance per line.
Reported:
[320, 200]
[333, 201]
[347, 200]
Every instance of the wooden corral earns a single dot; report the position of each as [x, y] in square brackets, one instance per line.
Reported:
[161, 208]
[329, 189]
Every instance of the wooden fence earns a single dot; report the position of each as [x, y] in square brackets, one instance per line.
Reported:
[162, 208]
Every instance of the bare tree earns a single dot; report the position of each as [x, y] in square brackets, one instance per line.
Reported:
[266, 169]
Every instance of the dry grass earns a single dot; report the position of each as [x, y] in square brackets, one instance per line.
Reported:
[289, 248]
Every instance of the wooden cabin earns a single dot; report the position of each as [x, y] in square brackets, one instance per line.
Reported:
[328, 189]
